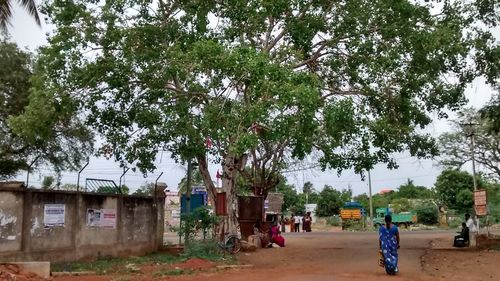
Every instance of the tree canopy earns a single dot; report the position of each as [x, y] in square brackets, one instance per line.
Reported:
[37, 127]
[454, 188]
[266, 81]
[456, 146]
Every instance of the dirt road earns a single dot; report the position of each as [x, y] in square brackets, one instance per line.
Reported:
[353, 256]
[344, 256]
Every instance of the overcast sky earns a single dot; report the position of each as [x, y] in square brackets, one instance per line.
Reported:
[423, 172]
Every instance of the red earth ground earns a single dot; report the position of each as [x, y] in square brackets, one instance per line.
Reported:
[424, 256]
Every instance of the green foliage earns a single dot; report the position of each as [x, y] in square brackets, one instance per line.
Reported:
[290, 197]
[205, 249]
[493, 193]
[172, 272]
[329, 203]
[427, 214]
[35, 125]
[147, 189]
[411, 191]
[47, 182]
[355, 80]
[354, 225]
[455, 223]
[109, 265]
[192, 223]
[454, 188]
[334, 221]
[490, 114]
[196, 180]
[308, 187]
[113, 189]
[401, 205]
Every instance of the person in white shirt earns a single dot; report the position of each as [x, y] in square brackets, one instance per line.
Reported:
[298, 219]
[469, 222]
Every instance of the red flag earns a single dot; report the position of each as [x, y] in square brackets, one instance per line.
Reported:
[208, 142]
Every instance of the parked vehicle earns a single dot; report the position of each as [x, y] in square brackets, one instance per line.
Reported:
[352, 211]
[403, 219]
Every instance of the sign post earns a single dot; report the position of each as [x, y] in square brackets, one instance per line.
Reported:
[480, 202]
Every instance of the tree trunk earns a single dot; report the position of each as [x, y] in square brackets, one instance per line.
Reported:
[228, 224]
[207, 179]
[230, 168]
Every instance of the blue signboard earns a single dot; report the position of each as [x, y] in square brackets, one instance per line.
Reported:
[197, 200]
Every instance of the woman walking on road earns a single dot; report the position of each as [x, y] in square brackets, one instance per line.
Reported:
[389, 245]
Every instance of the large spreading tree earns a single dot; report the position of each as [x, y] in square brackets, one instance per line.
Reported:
[260, 82]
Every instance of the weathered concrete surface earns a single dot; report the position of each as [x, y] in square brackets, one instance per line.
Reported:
[94, 235]
[43, 237]
[24, 237]
[11, 221]
[39, 268]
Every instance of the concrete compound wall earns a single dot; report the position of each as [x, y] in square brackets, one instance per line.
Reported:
[24, 236]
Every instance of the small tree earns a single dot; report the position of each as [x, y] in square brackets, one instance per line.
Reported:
[427, 214]
[47, 182]
[147, 189]
[329, 202]
[454, 189]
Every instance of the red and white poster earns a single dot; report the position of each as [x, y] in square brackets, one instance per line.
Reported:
[101, 218]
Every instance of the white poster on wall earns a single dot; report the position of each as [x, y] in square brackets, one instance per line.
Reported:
[53, 215]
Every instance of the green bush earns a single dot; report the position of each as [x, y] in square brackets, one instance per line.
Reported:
[334, 221]
[355, 225]
[198, 220]
[207, 249]
[427, 214]
[455, 222]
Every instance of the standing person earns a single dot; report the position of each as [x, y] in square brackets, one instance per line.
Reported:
[297, 223]
[389, 245]
[292, 223]
[469, 222]
[307, 222]
[282, 223]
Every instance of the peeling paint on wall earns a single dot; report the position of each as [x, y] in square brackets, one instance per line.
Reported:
[35, 226]
[6, 219]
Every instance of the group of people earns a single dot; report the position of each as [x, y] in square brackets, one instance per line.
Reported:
[273, 235]
[295, 221]
[267, 238]
[468, 229]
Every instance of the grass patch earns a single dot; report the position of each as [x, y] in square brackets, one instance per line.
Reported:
[208, 250]
[111, 264]
[171, 272]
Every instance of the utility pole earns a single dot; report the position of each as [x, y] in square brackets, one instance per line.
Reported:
[188, 186]
[470, 132]
[371, 200]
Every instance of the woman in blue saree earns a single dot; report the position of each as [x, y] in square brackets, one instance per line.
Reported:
[389, 245]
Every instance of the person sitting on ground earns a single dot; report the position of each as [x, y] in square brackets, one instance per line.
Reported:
[276, 236]
[263, 236]
[462, 239]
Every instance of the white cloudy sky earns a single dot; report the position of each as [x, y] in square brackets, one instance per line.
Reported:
[423, 172]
